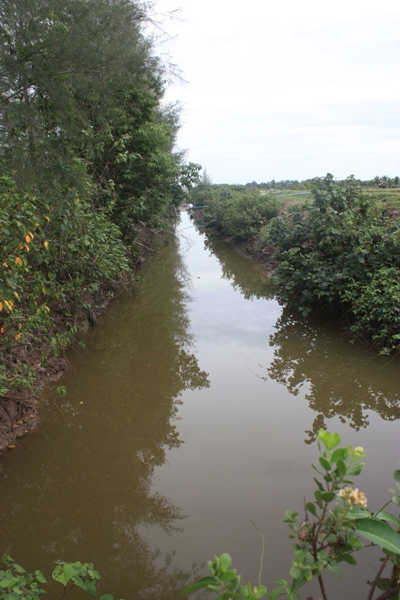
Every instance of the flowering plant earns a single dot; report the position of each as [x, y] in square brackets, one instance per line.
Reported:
[329, 535]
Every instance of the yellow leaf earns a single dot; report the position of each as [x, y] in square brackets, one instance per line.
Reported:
[46, 244]
[18, 261]
[36, 224]
[31, 234]
[5, 264]
[27, 248]
[9, 304]
[1, 306]
[47, 218]
[28, 239]
[47, 308]
[18, 336]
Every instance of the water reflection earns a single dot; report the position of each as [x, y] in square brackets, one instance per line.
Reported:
[251, 282]
[338, 378]
[83, 487]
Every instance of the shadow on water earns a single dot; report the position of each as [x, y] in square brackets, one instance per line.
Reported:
[339, 378]
[251, 282]
[86, 490]
[314, 359]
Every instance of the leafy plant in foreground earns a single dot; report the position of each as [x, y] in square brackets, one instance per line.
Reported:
[17, 584]
[330, 534]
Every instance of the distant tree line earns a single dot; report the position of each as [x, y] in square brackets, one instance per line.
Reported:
[383, 181]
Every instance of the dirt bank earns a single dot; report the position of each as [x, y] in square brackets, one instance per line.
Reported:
[249, 248]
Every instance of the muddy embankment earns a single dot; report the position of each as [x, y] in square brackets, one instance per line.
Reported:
[249, 248]
[19, 407]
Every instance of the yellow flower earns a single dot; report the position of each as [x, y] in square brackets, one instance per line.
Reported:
[354, 497]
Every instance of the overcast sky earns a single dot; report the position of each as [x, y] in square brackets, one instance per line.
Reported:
[288, 89]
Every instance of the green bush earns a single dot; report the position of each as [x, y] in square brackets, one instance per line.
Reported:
[239, 213]
[53, 254]
[336, 254]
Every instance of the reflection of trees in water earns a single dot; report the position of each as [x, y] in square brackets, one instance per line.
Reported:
[90, 495]
[340, 380]
[244, 276]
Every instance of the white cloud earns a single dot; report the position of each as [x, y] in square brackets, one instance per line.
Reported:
[289, 90]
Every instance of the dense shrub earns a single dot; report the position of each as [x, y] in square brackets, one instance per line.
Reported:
[53, 253]
[340, 254]
[239, 213]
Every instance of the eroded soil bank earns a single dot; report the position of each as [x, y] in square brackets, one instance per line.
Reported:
[250, 248]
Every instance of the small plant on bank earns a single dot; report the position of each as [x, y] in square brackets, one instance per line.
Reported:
[329, 535]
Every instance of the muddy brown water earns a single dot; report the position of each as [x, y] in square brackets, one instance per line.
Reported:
[193, 410]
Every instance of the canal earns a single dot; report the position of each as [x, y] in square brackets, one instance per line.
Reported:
[193, 409]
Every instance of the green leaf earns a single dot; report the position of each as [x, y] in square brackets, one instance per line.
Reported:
[319, 484]
[330, 440]
[359, 512]
[349, 559]
[396, 475]
[63, 574]
[325, 464]
[341, 468]
[275, 593]
[107, 597]
[380, 533]
[90, 587]
[356, 470]
[201, 583]
[225, 561]
[8, 582]
[327, 496]
[333, 567]
[383, 515]
[340, 454]
[311, 508]
[19, 569]
[40, 577]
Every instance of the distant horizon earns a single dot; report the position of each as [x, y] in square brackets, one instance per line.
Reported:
[268, 181]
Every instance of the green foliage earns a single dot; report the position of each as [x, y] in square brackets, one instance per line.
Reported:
[17, 584]
[330, 534]
[77, 574]
[225, 582]
[340, 254]
[50, 252]
[238, 212]
[86, 157]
